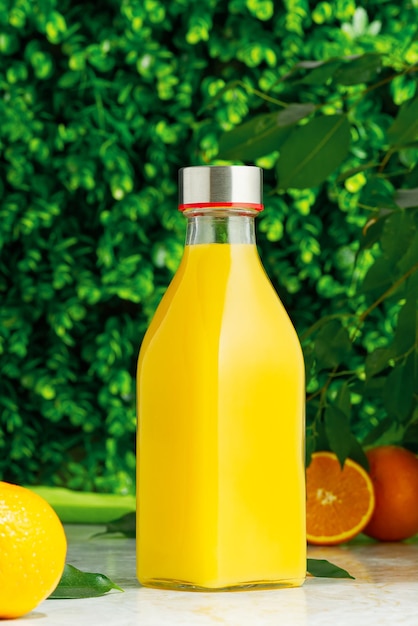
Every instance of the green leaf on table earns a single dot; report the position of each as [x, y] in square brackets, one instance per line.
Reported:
[321, 568]
[77, 507]
[263, 134]
[313, 151]
[125, 525]
[76, 584]
[404, 129]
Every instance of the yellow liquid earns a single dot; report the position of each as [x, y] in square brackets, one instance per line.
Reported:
[221, 492]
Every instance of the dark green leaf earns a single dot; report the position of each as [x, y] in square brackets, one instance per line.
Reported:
[374, 435]
[414, 357]
[263, 134]
[372, 232]
[310, 445]
[322, 442]
[355, 170]
[332, 345]
[378, 193]
[398, 231]
[313, 151]
[379, 277]
[405, 127]
[381, 201]
[125, 525]
[412, 285]
[77, 584]
[411, 179]
[411, 373]
[370, 387]
[398, 395]
[359, 70]
[321, 568]
[410, 437]
[357, 453]
[321, 72]
[309, 358]
[337, 426]
[343, 400]
[406, 328]
[377, 360]
[255, 138]
[410, 257]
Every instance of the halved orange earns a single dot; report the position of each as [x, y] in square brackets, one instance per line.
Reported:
[340, 502]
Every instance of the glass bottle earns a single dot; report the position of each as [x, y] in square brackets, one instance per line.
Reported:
[220, 384]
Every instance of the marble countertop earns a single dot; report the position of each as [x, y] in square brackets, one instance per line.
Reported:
[385, 591]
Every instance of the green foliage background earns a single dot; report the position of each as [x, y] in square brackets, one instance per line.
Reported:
[101, 103]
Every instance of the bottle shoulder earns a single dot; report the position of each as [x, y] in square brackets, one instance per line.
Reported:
[221, 289]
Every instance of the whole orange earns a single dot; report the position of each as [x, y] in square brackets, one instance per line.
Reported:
[32, 550]
[394, 473]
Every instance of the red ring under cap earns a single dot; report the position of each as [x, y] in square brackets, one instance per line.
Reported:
[228, 205]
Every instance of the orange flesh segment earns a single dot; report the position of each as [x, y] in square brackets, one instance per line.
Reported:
[340, 502]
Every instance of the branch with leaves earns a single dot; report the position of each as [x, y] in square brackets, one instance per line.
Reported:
[359, 393]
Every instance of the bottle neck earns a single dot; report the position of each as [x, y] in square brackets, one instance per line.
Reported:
[220, 226]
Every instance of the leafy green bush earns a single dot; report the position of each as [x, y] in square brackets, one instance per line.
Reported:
[100, 104]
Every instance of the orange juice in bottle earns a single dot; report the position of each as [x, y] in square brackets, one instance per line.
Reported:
[220, 385]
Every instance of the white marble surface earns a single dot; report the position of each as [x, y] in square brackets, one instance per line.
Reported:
[385, 591]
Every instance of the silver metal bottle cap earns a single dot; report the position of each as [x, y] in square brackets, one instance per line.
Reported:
[221, 186]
